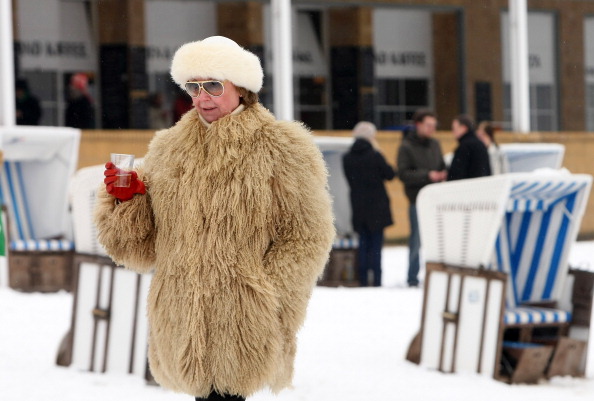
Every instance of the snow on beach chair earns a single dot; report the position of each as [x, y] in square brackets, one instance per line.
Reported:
[341, 268]
[496, 289]
[33, 190]
[109, 329]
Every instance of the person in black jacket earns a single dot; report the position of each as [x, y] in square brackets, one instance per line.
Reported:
[366, 170]
[471, 158]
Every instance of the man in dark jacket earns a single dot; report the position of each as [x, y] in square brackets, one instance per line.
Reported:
[366, 170]
[471, 158]
[420, 162]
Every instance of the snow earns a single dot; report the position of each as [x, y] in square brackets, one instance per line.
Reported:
[352, 347]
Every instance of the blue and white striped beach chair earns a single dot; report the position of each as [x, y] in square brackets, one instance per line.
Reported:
[497, 253]
[540, 225]
[34, 263]
[38, 163]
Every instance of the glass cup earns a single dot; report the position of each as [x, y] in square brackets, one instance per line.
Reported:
[125, 164]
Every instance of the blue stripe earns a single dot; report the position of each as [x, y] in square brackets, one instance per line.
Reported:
[509, 256]
[2, 202]
[498, 254]
[10, 184]
[559, 246]
[28, 221]
[516, 251]
[536, 255]
[517, 189]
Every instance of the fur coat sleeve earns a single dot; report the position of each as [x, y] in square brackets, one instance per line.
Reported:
[127, 231]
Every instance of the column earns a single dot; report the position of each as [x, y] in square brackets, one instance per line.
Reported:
[122, 54]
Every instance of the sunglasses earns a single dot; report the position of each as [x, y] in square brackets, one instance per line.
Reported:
[213, 88]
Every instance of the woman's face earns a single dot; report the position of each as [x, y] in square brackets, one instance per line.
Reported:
[212, 108]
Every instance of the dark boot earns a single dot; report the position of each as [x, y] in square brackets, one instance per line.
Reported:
[214, 396]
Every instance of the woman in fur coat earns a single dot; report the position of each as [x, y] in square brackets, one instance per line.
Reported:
[231, 212]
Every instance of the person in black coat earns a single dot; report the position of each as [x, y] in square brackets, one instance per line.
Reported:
[80, 112]
[471, 158]
[366, 170]
[28, 109]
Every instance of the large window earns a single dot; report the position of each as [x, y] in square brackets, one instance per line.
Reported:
[44, 86]
[543, 107]
[311, 107]
[398, 99]
[403, 64]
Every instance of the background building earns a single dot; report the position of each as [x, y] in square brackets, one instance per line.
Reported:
[352, 60]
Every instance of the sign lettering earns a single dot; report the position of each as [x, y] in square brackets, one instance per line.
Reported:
[52, 49]
[412, 59]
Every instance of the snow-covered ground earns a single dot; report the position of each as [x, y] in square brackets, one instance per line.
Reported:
[351, 347]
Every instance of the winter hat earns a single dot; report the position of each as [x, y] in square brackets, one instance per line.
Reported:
[217, 57]
[365, 130]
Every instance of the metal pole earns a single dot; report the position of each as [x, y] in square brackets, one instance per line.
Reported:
[520, 81]
[7, 95]
[282, 50]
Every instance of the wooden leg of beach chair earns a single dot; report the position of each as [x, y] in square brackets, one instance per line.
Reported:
[414, 350]
[568, 359]
[531, 362]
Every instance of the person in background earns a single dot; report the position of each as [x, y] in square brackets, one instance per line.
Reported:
[231, 210]
[80, 112]
[158, 116]
[181, 106]
[486, 133]
[28, 109]
[471, 158]
[420, 162]
[366, 171]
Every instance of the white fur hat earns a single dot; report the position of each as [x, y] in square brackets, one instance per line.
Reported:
[217, 57]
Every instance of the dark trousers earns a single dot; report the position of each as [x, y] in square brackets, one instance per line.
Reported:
[217, 397]
[370, 256]
[414, 246]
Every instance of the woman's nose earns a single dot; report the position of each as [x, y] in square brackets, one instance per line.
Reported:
[203, 95]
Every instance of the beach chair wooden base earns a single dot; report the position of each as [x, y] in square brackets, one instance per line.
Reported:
[582, 296]
[40, 271]
[341, 269]
[460, 323]
[109, 328]
[568, 358]
[529, 361]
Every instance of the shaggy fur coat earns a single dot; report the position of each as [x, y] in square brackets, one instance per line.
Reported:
[237, 225]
